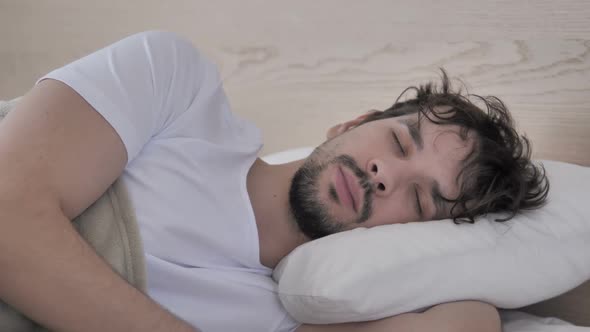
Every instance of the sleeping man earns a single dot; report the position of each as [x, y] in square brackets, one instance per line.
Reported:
[214, 218]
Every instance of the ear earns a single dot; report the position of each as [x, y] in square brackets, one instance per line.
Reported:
[342, 127]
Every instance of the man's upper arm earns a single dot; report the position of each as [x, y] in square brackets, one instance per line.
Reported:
[61, 147]
[57, 155]
[56, 149]
[141, 84]
[82, 123]
[465, 316]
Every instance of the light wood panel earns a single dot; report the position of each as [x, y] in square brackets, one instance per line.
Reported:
[296, 68]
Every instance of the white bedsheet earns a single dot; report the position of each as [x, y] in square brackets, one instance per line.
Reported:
[516, 321]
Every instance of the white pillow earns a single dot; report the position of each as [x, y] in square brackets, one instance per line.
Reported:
[367, 274]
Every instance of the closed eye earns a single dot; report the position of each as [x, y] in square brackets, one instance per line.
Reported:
[396, 139]
[418, 205]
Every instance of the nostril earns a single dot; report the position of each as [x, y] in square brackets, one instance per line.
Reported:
[381, 186]
[374, 168]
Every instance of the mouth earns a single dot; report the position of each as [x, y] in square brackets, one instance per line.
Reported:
[347, 188]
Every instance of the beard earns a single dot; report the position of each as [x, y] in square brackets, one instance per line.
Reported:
[311, 214]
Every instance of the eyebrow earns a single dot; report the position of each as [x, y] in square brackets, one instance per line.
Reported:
[415, 133]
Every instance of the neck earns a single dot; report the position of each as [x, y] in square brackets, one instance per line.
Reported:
[268, 188]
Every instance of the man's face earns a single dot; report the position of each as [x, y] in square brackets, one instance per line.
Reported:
[363, 178]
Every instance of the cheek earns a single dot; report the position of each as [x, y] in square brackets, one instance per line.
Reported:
[343, 145]
[395, 210]
[367, 145]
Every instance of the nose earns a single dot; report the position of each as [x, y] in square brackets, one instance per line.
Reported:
[381, 177]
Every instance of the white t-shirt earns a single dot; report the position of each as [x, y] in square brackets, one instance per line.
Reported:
[188, 157]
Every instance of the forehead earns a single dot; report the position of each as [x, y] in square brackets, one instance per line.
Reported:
[437, 136]
[452, 134]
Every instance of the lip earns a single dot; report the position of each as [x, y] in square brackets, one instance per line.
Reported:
[341, 186]
[347, 189]
[353, 188]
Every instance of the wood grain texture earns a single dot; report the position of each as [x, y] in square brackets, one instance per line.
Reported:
[296, 68]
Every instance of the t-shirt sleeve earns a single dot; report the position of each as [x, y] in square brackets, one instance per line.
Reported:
[140, 84]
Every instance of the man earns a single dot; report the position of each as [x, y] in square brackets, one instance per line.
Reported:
[214, 218]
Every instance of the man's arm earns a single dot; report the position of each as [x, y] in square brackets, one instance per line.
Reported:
[465, 316]
[57, 156]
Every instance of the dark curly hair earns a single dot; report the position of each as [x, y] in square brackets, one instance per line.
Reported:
[498, 175]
